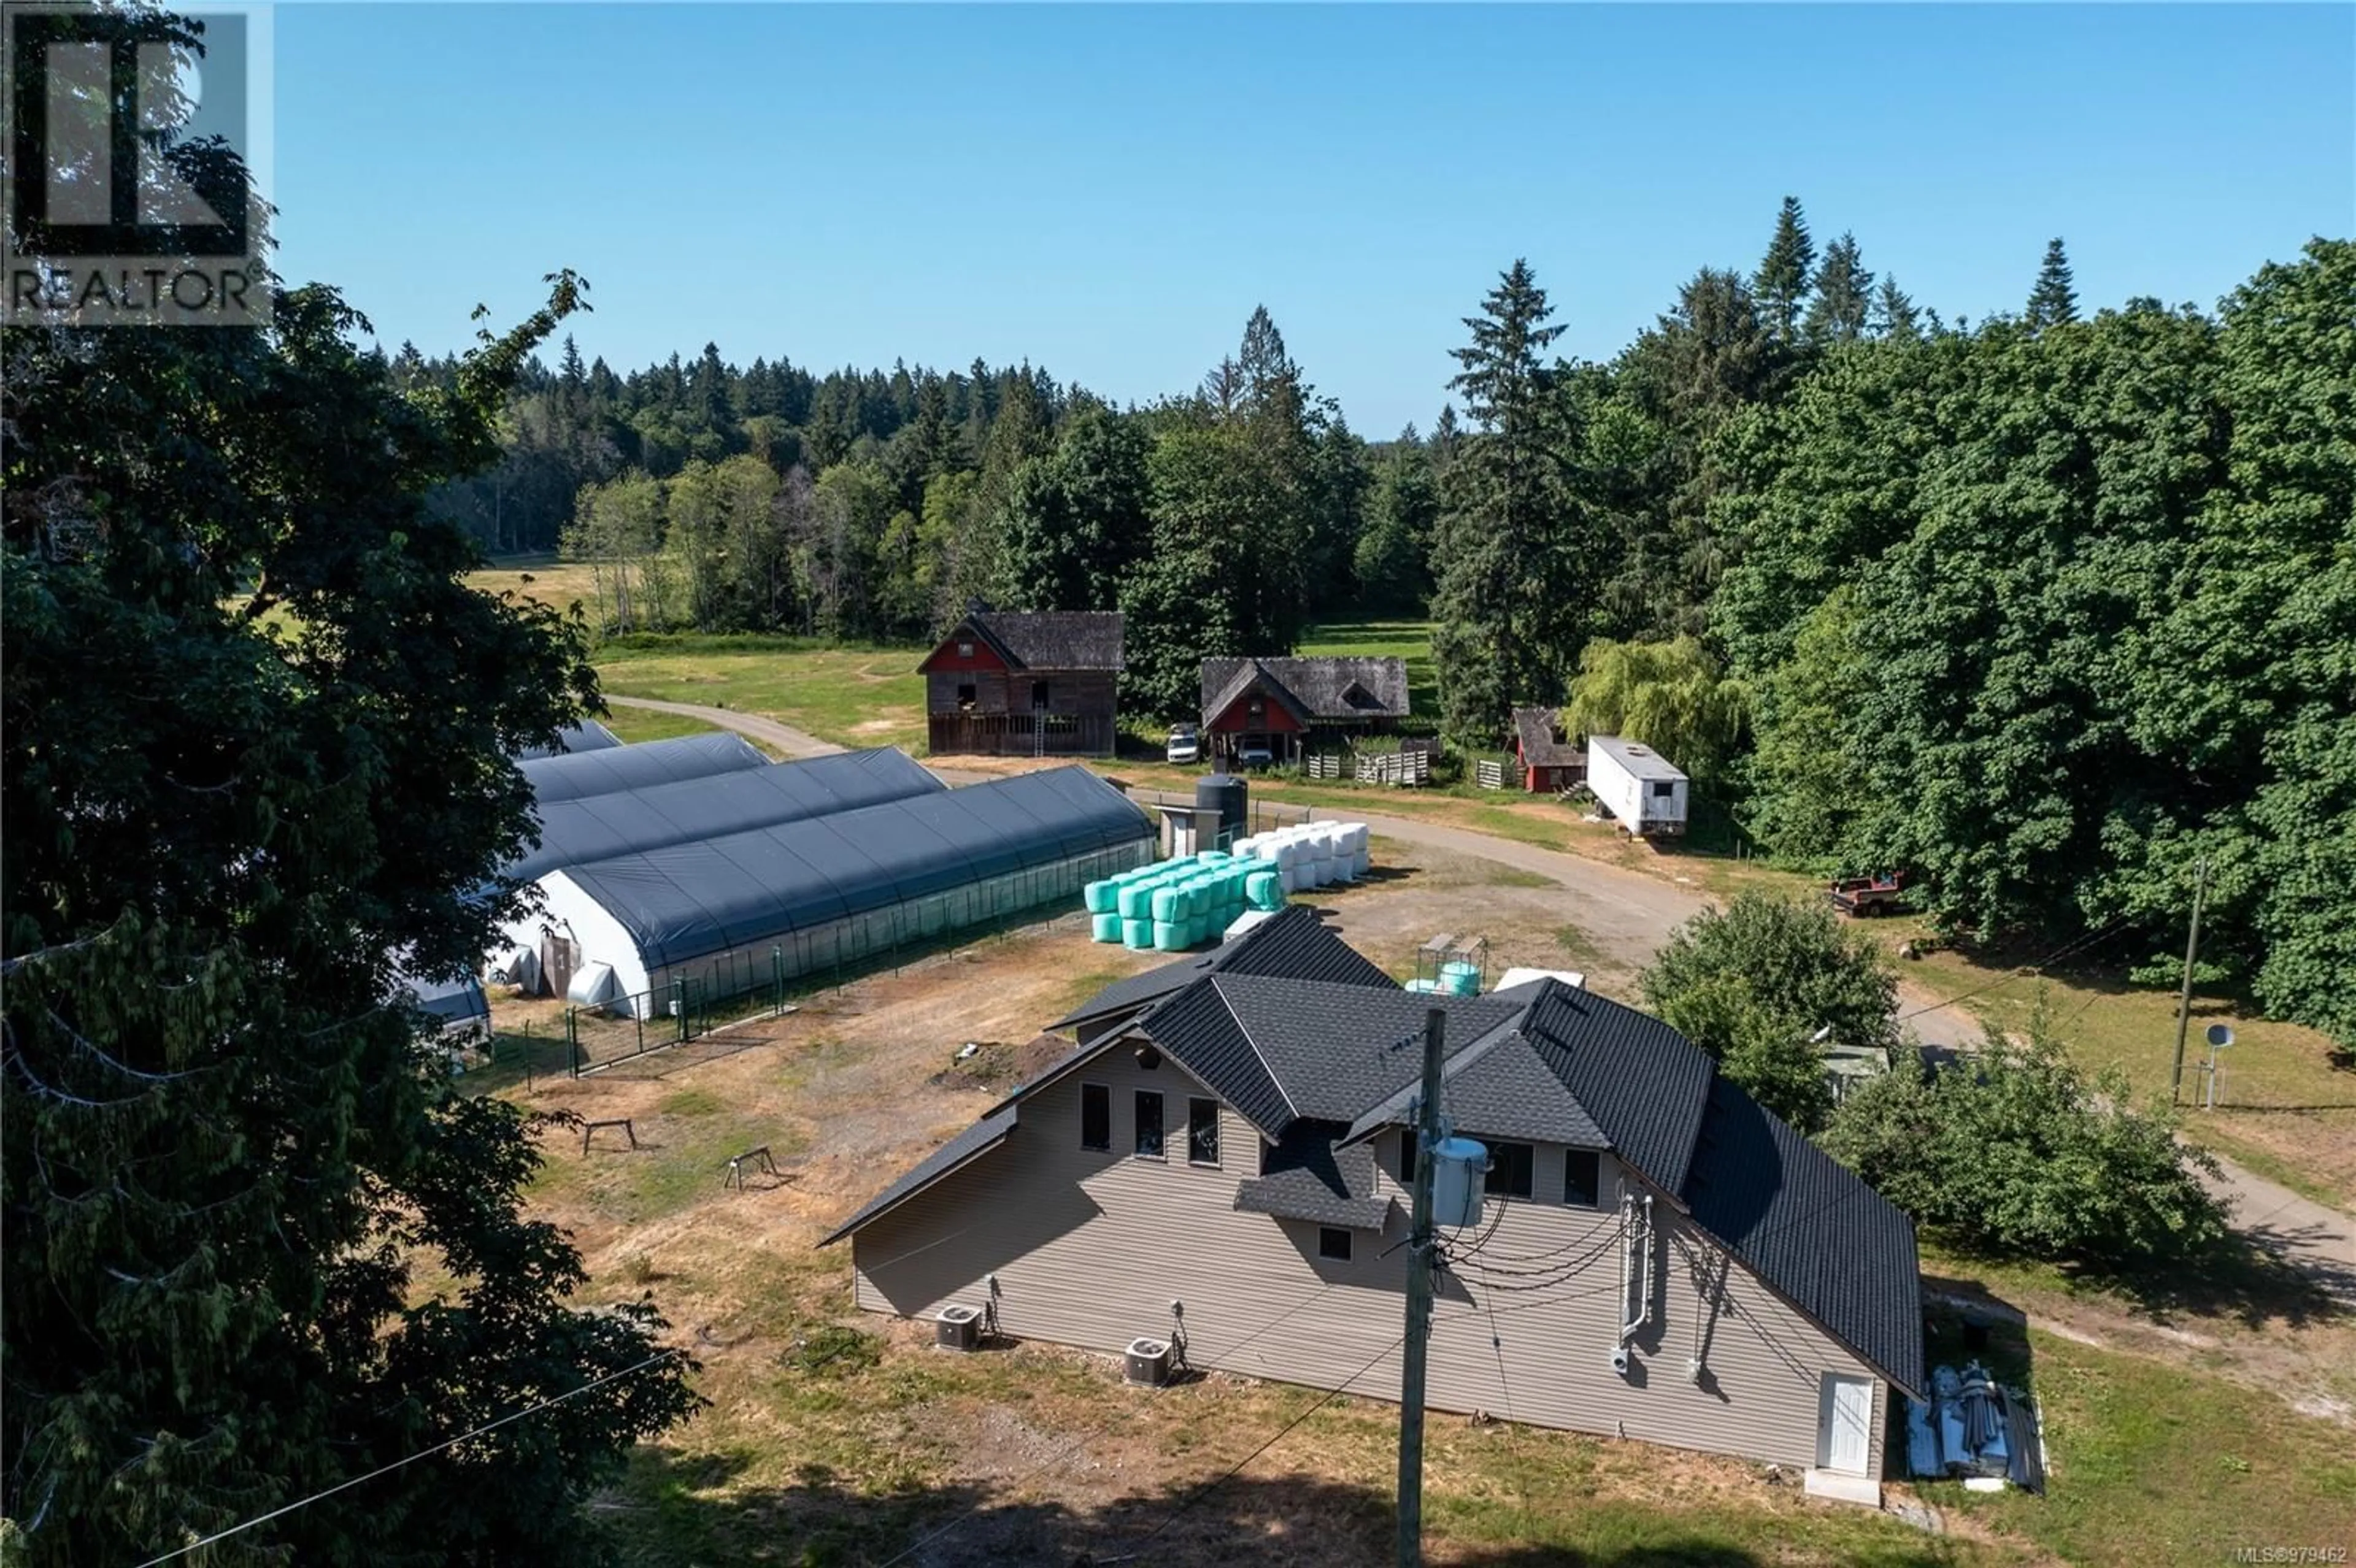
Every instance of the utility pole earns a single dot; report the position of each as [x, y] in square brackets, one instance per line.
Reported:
[1418, 1301]
[2184, 997]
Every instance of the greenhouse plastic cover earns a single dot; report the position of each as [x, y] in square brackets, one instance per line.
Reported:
[586, 736]
[578, 773]
[600, 827]
[682, 902]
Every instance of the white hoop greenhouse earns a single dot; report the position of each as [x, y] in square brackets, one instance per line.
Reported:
[717, 917]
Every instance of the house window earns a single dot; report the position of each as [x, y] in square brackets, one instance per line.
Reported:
[1509, 1170]
[1664, 789]
[1149, 1124]
[965, 650]
[1582, 1175]
[1406, 1158]
[1256, 707]
[1203, 1131]
[966, 696]
[1095, 1116]
[1038, 694]
[1334, 1241]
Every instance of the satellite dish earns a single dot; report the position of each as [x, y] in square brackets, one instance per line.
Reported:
[2219, 1036]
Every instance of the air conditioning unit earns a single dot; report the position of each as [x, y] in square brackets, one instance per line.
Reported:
[1147, 1362]
[959, 1327]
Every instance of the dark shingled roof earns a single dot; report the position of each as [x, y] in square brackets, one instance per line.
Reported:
[1306, 1176]
[1548, 1064]
[1333, 1050]
[1293, 942]
[977, 1139]
[1535, 728]
[1642, 1082]
[1050, 640]
[1323, 688]
[1813, 1229]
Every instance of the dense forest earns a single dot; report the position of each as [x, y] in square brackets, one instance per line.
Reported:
[2049, 610]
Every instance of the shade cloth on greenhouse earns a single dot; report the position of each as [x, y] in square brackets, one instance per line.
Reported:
[586, 736]
[600, 827]
[687, 900]
[578, 773]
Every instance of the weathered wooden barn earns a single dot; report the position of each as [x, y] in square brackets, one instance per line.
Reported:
[1039, 684]
[1551, 759]
[1287, 706]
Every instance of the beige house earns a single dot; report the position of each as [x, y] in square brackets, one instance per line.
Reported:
[1225, 1167]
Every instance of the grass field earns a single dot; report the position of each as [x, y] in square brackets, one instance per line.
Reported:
[541, 577]
[634, 725]
[853, 696]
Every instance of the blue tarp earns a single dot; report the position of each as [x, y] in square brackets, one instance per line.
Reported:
[598, 827]
[578, 773]
[691, 899]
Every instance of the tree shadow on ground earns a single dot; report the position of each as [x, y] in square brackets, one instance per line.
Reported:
[692, 1509]
[2247, 1277]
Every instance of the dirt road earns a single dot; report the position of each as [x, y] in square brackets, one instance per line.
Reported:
[1631, 914]
[778, 737]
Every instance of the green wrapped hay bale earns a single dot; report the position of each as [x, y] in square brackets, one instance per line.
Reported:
[1211, 856]
[1265, 890]
[1104, 927]
[1136, 936]
[1168, 936]
[1100, 898]
[1134, 902]
[1165, 905]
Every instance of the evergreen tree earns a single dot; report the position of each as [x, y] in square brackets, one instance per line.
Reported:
[1784, 272]
[1390, 563]
[1894, 316]
[1844, 294]
[1507, 599]
[2052, 301]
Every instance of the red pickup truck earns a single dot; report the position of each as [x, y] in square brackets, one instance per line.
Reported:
[1865, 897]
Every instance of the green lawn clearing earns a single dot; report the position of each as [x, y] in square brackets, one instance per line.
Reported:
[853, 696]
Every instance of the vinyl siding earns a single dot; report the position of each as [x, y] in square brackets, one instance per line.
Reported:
[1090, 1248]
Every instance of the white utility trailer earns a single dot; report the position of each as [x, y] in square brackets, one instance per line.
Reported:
[1643, 791]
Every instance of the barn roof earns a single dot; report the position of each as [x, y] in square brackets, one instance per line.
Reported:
[1536, 729]
[1339, 687]
[1051, 639]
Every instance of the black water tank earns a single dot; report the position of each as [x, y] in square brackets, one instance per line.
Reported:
[1231, 798]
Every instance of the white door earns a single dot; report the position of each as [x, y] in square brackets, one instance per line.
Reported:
[1844, 1424]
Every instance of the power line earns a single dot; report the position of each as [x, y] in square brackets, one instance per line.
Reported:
[421, 1454]
[2065, 950]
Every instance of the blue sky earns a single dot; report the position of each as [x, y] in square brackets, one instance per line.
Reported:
[1107, 191]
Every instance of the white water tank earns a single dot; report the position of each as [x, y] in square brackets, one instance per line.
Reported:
[1458, 1168]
